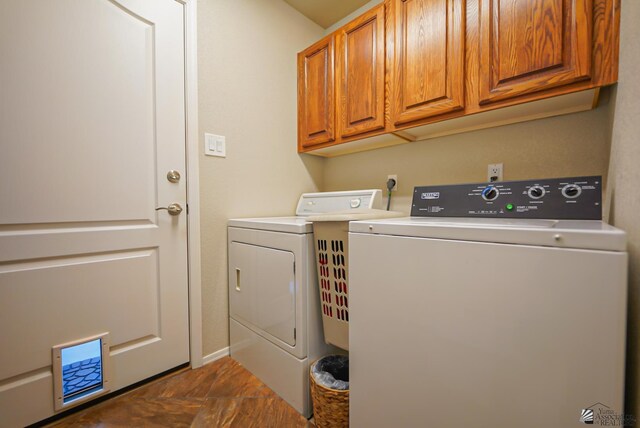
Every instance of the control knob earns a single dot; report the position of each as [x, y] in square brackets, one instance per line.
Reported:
[571, 191]
[536, 192]
[490, 193]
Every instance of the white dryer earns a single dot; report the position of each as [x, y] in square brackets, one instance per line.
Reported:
[482, 315]
[274, 311]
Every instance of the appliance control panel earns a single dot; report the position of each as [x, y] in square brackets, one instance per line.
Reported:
[324, 202]
[573, 198]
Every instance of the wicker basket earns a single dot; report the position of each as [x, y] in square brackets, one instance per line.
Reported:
[330, 406]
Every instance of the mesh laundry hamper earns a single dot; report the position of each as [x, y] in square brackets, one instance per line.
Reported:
[331, 236]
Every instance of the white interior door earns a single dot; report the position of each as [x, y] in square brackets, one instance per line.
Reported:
[92, 117]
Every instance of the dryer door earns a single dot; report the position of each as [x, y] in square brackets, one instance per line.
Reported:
[262, 289]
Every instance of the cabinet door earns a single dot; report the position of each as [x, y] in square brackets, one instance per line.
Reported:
[316, 102]
[427, 65]
[532, 45]
[360, 74]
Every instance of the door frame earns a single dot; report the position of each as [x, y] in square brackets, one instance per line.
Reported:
[193, 184]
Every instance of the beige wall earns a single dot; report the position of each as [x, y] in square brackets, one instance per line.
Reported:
[575, 144]
[362, 9]
[247, 92]
[624, 182]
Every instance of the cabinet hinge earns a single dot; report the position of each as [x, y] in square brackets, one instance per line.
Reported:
[294, 334]
[294, 267]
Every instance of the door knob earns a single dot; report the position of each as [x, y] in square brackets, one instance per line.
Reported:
[173, 209]
[173, 176]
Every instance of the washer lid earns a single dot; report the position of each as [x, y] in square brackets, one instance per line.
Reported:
[274, 224]
[581, 234]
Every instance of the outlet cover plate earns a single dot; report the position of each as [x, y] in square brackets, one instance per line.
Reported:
[395, 177]
[494, 172]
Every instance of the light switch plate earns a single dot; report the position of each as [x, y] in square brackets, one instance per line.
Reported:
[215, 145]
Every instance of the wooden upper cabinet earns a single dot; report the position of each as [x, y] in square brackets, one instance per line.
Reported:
[532, 45]
[426, 71]
[360, 74]
[407, 64]
[316, 100]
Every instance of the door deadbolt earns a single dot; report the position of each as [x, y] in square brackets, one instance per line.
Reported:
[173, 176]
[173, 209]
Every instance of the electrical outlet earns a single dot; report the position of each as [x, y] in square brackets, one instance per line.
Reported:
[395, 177]
[494, 172]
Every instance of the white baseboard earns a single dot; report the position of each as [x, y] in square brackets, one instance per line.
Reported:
[215, 356]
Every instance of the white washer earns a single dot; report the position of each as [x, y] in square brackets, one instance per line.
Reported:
[274, 309]
[459, 322]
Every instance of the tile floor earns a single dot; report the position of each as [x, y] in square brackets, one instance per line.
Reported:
[220, 394]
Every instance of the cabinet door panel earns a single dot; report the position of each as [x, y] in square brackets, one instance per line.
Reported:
[316, 103]
[360, 74]
[532, 45]
[427, 70]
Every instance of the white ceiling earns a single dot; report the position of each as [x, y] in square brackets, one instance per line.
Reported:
[326, 12]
